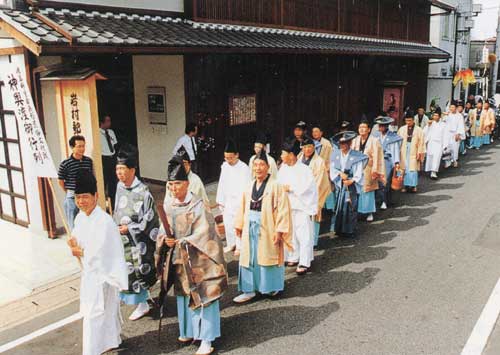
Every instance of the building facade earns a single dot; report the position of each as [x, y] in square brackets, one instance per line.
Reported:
[235, 67]
[449, 30]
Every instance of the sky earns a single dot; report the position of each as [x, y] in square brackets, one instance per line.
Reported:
[485, 24]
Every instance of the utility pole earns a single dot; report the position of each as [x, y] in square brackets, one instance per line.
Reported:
[494, 79]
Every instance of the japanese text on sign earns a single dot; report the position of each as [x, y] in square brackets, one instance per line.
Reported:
[29, 125]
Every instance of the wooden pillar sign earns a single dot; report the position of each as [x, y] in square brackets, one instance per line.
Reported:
[77, 114]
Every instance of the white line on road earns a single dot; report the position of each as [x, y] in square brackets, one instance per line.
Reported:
[485, 324]
[40, 332]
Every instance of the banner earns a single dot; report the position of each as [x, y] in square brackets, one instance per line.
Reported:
[30, 130]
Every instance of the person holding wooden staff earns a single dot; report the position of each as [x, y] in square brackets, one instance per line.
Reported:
[96, 241]
[199, 276]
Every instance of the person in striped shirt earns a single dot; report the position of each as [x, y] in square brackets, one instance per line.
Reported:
[69, 170]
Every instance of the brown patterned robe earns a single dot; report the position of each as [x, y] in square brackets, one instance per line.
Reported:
[198, 260]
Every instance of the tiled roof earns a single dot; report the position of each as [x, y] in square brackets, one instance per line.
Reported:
[126, 30]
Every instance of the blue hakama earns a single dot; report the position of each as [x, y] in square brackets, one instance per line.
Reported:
[411, 177]
[135, 298]
[200, 324]
[366, 203]
[486, 139]
[317, 225]
[330, 201]
[476, 142]
[257, 278]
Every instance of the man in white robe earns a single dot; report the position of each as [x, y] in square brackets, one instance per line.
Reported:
[96, 240]
[259, 145]
[436, 141]
[234, 179]
[455, 126]
[196, 186]
[298, 181]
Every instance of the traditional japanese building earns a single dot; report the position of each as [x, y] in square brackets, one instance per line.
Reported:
[236, 67]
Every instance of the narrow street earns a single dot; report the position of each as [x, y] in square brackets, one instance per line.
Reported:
[414, 282]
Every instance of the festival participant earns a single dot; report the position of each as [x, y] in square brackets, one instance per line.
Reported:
[477, 118]
[199, 271]
[391, 144]
[489, 122]
[298, 181]
[260, 145]
[309, 157]
[196, 186]
[374, 173]
[436, 141]
[136, 217]
[346, 172]
[264, 224]
[96, 241]
[455, 127]
[234, 177]
[322, 145]
[299, 131]
[412, 152]
[465, 115]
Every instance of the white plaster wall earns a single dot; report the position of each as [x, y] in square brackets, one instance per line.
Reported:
[440, 88]
[162, 5]
[154, 142]
[30, 179]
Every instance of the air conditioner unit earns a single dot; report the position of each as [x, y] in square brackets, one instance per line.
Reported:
[477, 8]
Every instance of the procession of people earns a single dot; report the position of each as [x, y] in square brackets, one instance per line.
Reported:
[272, 211]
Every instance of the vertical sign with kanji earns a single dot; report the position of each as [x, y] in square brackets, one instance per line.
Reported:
[30, 130]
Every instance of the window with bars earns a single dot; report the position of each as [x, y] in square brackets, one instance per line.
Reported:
[13, 204]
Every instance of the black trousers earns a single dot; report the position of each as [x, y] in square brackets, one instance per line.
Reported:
[110, 180]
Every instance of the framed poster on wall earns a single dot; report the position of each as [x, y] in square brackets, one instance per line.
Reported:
[393, 100]
[242, 109]
[157, 105]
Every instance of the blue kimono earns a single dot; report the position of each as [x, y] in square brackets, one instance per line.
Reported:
[346, 209]
[391, 144]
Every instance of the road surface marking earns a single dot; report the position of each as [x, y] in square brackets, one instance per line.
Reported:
[484, 327]
[40, 332]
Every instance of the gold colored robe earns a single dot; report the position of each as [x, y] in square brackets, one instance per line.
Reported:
[321, 177]
[417, 147]
[489, 122]
[475, 131]
[276, 216]
[376, 162]
[326, 152]
[198, 259]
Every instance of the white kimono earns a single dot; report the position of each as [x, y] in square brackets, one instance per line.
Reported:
[104, 274]
[273, 167]
[196, 187]
[436, 140]
[304, 203]
[455, 124]
[233, 182]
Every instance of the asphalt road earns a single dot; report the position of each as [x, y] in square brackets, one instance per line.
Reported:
[413, 282]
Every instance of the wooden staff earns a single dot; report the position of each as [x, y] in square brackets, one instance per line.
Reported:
[63, 217]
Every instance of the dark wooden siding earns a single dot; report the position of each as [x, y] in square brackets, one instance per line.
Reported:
[323, 89]
[396, 19]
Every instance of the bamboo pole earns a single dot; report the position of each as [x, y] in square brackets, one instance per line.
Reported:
[63, 217]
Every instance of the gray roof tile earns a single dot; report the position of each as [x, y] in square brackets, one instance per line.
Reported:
[99, 28]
